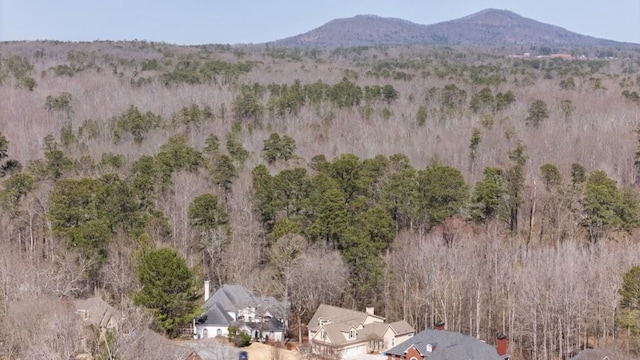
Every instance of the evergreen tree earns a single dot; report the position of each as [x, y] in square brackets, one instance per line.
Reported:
[514, 184]
[443, 192]
[537, 113]
[629, 315]
[601, 198]
[332, 218]
[488, 196]
[224, 172]
[168, 290]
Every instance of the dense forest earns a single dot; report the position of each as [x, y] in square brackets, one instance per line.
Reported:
[497, 194]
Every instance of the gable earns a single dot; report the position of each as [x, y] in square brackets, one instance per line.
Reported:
[413, 352]
[402, 327]
[328, 314]
[322, 336]
[236, 300]
[447, 345]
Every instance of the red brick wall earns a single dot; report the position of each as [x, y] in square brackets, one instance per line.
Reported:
[413, 352]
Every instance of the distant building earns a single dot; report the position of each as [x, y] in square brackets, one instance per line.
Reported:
[434, 344]
[233, 305]
[344, 333]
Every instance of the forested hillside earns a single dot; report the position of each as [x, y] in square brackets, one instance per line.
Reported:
[496, 194]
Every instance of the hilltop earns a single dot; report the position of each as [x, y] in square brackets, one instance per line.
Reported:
[487, 28]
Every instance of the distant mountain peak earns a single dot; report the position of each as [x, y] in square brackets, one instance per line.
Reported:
[492, 11]
[489, 28]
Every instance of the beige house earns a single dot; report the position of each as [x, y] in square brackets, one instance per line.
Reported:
[344, 333]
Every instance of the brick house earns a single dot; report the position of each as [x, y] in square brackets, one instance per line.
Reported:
[434, 344]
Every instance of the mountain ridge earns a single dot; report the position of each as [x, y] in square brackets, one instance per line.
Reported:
[486, 28]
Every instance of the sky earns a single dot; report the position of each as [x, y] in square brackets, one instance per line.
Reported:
[191, 22]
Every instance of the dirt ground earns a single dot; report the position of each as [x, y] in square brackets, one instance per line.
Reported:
[258, 351]
[221, 348]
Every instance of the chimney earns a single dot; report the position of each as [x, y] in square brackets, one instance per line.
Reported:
[370, 310]
[206, 290]
[502, 345]
[439, 325]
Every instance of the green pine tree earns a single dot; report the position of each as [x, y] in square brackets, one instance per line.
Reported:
[168, 290]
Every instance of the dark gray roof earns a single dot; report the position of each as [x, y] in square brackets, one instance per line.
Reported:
[231, 297]
[447, 345]
[235, 297]
[216, 316]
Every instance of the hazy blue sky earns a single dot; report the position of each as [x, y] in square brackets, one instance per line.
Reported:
[255, 21]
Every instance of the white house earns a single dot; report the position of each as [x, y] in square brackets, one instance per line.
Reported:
[233, 305]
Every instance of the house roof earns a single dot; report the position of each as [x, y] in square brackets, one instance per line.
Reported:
[98, 311]
[337, 315]
[271, 305]
[401, 327]
[373, 331]
[194, 356]
[447, 345]
[335, 333]
[233, 297]
[337, 323]
[216, 315]
[591, 354]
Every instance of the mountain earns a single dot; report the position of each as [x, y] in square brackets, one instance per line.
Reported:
[360, 30]
[487, 28]
[494, 27]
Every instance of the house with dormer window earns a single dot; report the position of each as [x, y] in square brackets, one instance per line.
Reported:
[440, 344]
[263, 317]
[342, 333]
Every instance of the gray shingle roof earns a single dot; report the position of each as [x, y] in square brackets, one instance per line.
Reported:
[236, 297]
[447, 345]
[231, 297]
[591, 354]
[216, 315]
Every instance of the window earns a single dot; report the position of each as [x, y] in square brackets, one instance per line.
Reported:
[413, 358]
[352, 334]
[393, 342]
[323, 334]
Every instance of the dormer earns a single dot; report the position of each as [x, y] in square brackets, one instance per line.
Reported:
[352, 334]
